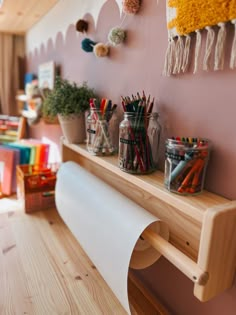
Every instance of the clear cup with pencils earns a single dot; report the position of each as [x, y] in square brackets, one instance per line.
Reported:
[185, 164]
[139, 135]
[98, 132]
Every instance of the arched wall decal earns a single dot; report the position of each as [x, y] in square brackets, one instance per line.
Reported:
[77, 9]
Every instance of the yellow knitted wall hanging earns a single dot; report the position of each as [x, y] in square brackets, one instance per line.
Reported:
[188, 17]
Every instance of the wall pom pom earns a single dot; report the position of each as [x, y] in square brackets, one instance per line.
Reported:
[81, 26]
[116, 36]
[101, 50]
[131, 6]
[87, 45]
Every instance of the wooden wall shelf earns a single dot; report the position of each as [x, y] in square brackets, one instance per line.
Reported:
[202, 228]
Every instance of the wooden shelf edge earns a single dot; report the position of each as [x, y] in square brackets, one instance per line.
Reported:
[193, 206]
[217, 252]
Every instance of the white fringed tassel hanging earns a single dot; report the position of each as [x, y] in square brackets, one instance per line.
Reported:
[219, 50]
[179, 50]
[209, 47]
[169, 58]
[233, 51]
[197, 49]
[187, 45]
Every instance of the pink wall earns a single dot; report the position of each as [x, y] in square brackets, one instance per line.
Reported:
[191, 105]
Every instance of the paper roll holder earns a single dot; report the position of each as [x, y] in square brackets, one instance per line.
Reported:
[202, 228]
[176, 257]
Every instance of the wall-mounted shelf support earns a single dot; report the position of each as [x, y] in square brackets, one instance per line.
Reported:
[217, 251]
[202, 228]
[176, 257]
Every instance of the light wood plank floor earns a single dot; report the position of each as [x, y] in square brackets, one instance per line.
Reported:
[44, 271]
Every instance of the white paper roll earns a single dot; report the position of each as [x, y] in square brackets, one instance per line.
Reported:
[108, 226]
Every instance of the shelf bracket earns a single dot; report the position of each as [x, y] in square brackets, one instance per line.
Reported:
[217, 252]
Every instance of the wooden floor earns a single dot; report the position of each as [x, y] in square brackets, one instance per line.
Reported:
[44, 271]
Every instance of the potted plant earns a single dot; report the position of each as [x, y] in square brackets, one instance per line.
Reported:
[69, 102]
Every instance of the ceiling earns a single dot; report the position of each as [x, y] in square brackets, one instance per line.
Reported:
[18, 16]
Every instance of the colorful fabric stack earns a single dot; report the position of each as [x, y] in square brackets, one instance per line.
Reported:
[188, 17]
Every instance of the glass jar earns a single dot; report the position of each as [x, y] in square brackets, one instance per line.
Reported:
[98, 136]
[185, 165]
[154, 133]
[139, 137]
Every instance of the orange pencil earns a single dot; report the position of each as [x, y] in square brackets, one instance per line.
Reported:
[187, 179]
[102, 105]
[196, 179]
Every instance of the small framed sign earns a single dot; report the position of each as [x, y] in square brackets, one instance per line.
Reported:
[46, 75]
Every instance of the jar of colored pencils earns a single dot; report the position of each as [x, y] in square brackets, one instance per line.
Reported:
[98, 135]
[185, 164]
[139, 136]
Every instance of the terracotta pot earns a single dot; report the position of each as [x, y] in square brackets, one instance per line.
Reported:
[73, 127]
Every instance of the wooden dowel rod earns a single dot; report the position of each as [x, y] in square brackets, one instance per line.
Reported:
[176, 257]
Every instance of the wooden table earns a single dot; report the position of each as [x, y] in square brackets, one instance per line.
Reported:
[44, 271]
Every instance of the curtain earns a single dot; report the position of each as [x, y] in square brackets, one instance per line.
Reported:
[12, 48]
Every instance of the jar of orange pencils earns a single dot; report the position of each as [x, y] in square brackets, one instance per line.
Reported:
[185, 164]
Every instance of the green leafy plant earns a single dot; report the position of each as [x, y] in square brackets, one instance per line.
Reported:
[67, 98]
